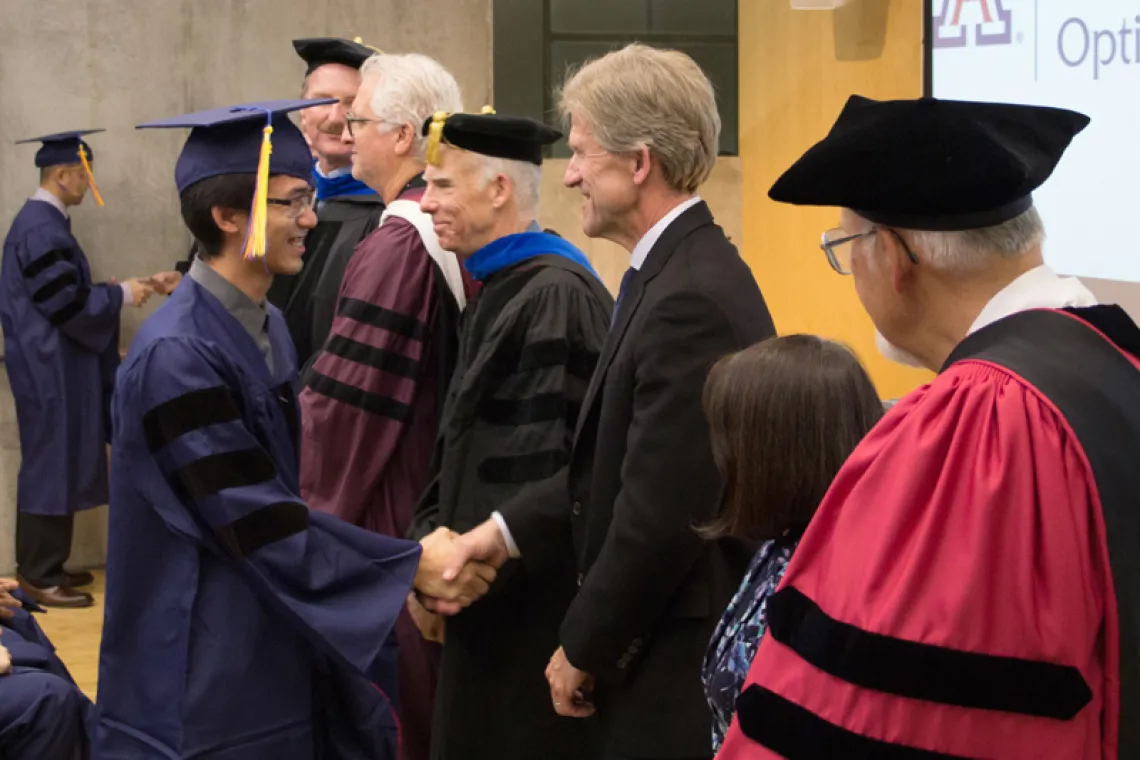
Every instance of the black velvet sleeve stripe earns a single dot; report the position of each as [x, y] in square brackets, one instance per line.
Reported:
[54, 286]
[545, 407]
[190, 411]
[369, 402]
[558, 352]
[262, 527]
[370, 356]
[378, 316]
[526, 468]
[43, 262]
[233, 469]
[65, 313]
[796, 733]
[924, 671]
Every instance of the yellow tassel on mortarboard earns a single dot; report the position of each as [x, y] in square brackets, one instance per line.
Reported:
[488, 110]
[360, 41]
[435, 135]
[90, 175]
[255, 236]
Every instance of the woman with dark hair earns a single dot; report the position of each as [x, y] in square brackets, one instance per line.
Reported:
[783, 416]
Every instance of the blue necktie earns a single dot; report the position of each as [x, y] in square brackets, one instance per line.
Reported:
[626, 279]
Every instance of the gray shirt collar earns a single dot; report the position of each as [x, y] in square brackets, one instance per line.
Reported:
[43, 195]
[252, 316]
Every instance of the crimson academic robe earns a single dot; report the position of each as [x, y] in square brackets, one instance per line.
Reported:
[61, 350]
[970, 586]
[370, 409]
[238, 624]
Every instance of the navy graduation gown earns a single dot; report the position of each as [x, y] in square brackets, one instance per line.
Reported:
[61, 348]
[238, 623]
[43, 714]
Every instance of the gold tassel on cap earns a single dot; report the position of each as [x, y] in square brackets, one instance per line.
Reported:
[435, 135]
[258, 215]
[360, 41]
[90, 175]
[488, 110]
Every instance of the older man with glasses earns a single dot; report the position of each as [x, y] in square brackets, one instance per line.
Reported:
[371, 398]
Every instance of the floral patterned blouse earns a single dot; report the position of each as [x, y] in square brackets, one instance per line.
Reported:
[737, 637]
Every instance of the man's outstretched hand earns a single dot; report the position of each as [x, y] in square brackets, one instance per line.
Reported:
[438, 580]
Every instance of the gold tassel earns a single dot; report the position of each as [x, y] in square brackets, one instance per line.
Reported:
[435, 135]
[360, 41]
[90, 175]
[488, 110]
[255, 236]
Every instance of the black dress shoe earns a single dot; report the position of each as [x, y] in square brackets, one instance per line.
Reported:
[80, 579]
[57, 596]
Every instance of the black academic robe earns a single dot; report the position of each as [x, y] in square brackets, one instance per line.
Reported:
[528, 345]
[308, 299]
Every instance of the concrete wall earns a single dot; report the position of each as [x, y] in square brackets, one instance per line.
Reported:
[75, 64]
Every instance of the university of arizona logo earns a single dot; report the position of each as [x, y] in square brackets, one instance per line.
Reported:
[989, 21]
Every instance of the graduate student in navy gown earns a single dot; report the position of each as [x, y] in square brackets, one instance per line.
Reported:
[43, 714]
[239, 624]
[970, 585]
[529, 344]
[61, 349]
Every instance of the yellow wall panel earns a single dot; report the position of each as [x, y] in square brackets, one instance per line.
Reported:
[797, 68]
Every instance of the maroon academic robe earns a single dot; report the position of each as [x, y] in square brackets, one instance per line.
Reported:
[369, 411]
[963, 543]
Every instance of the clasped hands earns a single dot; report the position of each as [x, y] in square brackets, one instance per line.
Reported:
[142, 288]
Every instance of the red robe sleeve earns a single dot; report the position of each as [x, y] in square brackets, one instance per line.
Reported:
[951, 596]
[365, 396]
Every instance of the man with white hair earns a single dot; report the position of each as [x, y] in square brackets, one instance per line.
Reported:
[644, 135]
[970, 585]
[529, 344]
[371, 398]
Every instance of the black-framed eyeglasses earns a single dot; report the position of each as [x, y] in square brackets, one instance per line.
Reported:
[297, 205]
[837, 244]
[351, 119]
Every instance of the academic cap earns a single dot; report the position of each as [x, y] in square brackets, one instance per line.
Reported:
[514, 137]
[938, 165]
[317, 51]
[67, 148]
[252, 138]
[61, 148]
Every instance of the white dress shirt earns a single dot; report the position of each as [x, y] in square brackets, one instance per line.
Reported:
[44, 196]
[636, 259]
[1039, 288]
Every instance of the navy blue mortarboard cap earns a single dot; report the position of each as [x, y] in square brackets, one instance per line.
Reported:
[317, 51]
[61, 148]
[928, 164]
[229, 141]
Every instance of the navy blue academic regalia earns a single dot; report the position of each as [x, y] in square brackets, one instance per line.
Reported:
[61, 343]
[239, 625]
[43, 714]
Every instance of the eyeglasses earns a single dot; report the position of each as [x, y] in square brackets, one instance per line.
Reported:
[837, 244]
[351, 119]
[298, 204]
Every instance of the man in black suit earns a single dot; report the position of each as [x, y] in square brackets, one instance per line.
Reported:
[644, 135]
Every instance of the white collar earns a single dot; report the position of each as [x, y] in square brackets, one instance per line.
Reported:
[1039, 288]
[43, 195]
[334, 173]
[645, 245]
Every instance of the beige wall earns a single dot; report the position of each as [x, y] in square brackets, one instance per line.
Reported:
[69, 64]
[561, 212]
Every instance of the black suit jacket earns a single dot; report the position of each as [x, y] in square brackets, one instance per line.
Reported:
[641, 478]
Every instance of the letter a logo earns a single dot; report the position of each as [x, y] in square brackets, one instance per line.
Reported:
[989, 21]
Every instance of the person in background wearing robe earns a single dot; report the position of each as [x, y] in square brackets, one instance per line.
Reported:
[43, 714]
[528, 347]
[238, 623]
[61, 350]
[347, 209]
[970, 585]
[371, 398]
